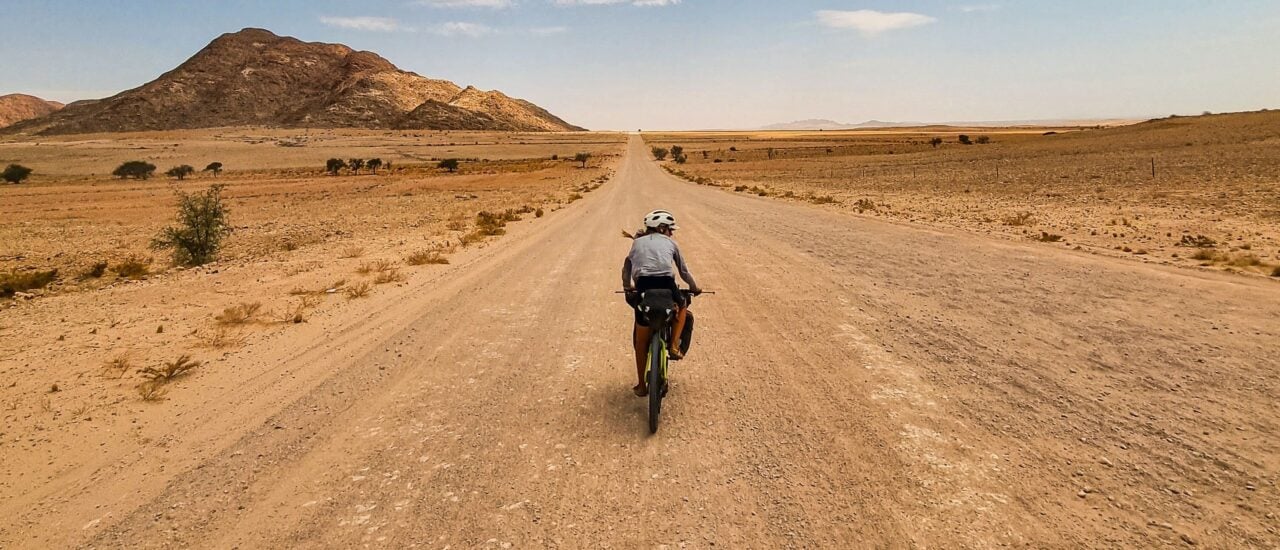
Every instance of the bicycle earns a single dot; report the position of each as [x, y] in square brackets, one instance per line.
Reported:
[659, 308]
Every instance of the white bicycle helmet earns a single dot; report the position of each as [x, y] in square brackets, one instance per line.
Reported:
[659, 218]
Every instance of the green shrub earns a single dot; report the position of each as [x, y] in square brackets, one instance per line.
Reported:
[15, 173]
[448, 164]
[202, 224]
[136, 169]
[180, 172]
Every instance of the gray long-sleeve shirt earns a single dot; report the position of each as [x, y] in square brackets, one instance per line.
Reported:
[653, 255]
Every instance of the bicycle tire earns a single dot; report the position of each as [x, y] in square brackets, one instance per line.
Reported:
[656, 381]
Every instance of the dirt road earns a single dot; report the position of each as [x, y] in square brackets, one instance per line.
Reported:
[854, 383]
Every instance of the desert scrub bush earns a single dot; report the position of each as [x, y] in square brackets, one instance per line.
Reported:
[239, 314]
[1244, 260]
[1198, 241]
[180, 172]
[351, 252]
[425, 257]
[151, 390]
[170, 370]
[659, 153]
[488, 223]
[448, 164]
[133, 267]
[375, 266]
[823, 199]
[389, 276]
[538, 213]
[740, 188]
[863, 205]
[1046, 237]
[15, 282]
[202, 224]
[358, 290]
[215, 167]
[983, 140]
[575, 197]
[964, 139]
[15, 173]
[136, 169]
[1276, 271]
[333, 166]
[1020, 219]
[95, 271]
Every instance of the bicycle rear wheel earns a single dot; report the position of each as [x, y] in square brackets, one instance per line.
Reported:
[656, 380]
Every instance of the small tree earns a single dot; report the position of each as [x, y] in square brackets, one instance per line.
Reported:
[449, 164]
[583, 158]
[964, 139]
[15, 173]
[659, 153]
[373, 165]
[935, 142]
[983, 140]
[215, 167]
[333, 166]
[180, 172]
[202, 224]
[355, 165]
[676, 151]
[136, 169]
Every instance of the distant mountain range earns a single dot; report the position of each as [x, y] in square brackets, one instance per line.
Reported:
[824, 124]
[254, 77]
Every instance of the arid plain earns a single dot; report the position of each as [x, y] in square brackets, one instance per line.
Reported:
[924, 366]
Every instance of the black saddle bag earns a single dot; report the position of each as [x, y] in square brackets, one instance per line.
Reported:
[686, 335]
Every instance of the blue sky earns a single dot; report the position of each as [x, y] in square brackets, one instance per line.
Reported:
[683, 64]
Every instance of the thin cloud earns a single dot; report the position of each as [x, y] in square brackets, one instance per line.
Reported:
[871, 22]
[547, 31]
[491, 4]
[375, 24]
[461, 28]
[979, 8]
[614, 2]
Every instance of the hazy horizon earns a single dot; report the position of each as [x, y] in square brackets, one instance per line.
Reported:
[668, 64]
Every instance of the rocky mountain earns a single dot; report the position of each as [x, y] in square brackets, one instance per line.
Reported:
[15, 108]
[254, 77]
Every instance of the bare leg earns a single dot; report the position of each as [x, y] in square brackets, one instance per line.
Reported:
[677, 329]
[640, 338]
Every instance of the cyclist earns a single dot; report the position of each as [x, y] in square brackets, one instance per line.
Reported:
[649, 267]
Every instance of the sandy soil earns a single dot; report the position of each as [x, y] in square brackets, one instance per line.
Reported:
[856, 382]
[1216, 177]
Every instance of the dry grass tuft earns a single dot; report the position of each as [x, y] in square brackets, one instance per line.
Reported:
[95, 271]
[171, 369]
[358, 290]
[224, 337]
[424, 257]
[239, 314]
[298, 313]
[351, 252]
[133, 267]
[152, 390]
[389, 276]
[1020, 219]
[376, 266]
[119, 365]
